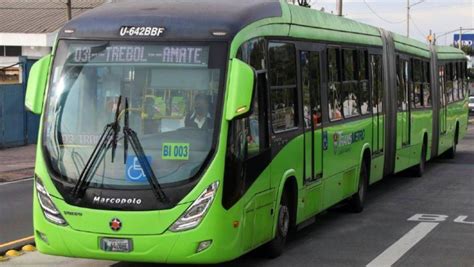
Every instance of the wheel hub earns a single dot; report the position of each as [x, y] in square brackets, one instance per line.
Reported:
[284, 220]
[361, 191]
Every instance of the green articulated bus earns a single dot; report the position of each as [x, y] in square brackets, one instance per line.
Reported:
[184, 132]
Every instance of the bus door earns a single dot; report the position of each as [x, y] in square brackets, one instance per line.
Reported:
[310, 83]
[376, 85]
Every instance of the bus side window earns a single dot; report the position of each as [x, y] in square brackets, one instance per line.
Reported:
[441, 75]
[245, 133]
[400, 85]
[464, 79]
[416, 83]
[363, 77]
[426, 84]
[455, 81]
[461, 79]
[350, 101]
[310, 77]
[334, 84]
[377, 84]
[283, 95]
[449, 82]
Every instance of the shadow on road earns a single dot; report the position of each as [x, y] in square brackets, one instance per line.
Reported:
[324, 221]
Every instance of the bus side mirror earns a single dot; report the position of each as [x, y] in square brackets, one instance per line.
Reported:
[240, 90]
[37, 80]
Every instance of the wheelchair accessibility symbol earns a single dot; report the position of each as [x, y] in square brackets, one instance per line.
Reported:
[134, 171]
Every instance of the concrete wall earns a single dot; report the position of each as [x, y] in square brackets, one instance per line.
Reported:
[35, 51]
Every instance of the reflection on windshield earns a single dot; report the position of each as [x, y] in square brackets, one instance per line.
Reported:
[172, 93]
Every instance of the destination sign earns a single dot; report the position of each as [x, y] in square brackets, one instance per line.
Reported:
[155, 54]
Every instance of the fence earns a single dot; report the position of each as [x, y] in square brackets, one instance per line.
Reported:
[17, 125]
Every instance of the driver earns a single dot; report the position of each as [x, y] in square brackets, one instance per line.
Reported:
[200, 118]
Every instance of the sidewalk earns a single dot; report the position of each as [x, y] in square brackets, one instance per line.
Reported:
[17, 163]
[37, 259]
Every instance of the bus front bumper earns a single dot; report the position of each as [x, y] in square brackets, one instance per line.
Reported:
[165, 248]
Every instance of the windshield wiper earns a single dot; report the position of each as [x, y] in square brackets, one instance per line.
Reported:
[98, 154]
[108, 140]
[131, 136]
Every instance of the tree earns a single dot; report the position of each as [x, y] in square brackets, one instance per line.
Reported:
[303, 3]
[468, 50]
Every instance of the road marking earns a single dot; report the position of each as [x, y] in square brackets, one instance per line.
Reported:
[16, 241]
[404, 244]
[19, 181]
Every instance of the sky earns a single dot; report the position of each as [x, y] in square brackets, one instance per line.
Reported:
[440, 16]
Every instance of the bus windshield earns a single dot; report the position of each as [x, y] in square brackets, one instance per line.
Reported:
[171, 90]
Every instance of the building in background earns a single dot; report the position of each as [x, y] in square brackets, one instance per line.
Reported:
[28, 29]
[27, 32]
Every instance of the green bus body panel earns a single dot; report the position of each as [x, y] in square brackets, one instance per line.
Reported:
[342, 159]
[421, 125]
[457, 114]
[37, 81]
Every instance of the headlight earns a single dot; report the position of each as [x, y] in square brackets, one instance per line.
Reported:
[196, 212]
[49, 209]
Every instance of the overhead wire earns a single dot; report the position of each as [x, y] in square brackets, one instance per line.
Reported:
[380, 17]
[417, 27]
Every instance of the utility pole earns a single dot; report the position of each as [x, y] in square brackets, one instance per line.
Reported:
[408, 18]
[408, 14]
[339, 7]
[460, 38]
[68, 9]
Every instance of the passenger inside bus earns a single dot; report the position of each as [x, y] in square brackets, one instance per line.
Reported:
[200, 117]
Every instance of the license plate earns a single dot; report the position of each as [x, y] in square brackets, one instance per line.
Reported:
[116, 244]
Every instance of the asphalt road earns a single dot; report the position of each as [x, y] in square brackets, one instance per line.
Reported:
[380, 236]
[16, 216]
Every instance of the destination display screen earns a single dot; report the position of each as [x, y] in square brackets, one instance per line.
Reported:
[139, 54]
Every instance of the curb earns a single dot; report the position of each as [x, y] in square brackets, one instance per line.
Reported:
[12, 253]
[16, 175]
[16, 245]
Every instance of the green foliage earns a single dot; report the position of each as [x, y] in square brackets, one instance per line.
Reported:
[468, 50]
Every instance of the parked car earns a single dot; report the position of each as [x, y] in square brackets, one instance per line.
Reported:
[471, 105]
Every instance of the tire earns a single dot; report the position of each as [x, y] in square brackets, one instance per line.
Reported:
[420, 168]
[356, 202]
[275, 247]
[451, 153]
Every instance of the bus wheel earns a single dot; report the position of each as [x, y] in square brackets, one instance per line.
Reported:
[356, 202]
[451, 153]
[275, 247]
[420, 168]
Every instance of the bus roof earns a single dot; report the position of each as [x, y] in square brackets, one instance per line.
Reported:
[328, 27]
[411, 46]
[449, 52]
[182, 19]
